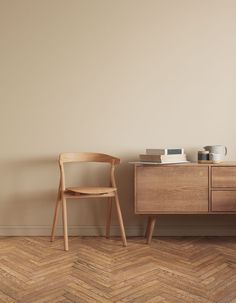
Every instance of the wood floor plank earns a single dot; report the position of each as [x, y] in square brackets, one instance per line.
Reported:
[98, 270]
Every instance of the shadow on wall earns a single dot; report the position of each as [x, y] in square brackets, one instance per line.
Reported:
[26, 188]
[29, 190]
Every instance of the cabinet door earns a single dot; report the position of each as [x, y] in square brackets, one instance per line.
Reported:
[223, 176]
[224, 200]
[171, 189]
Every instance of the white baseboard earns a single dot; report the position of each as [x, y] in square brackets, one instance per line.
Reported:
[164, 230]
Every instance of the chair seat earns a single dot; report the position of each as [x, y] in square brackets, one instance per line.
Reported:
[91, 190]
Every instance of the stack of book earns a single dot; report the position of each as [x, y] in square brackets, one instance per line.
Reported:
[166, 155]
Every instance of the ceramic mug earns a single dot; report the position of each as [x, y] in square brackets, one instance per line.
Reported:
[217, 149]
[216, 158]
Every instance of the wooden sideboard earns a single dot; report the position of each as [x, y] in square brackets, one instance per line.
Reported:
[188, 188]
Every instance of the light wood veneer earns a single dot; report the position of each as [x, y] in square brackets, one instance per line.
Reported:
[223, 176]
[190, 188]
[171, 189]
[224, 200]
[190, 270]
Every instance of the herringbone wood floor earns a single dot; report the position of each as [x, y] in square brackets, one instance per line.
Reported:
[178, 270]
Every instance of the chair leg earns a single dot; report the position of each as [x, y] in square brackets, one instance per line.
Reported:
[122, 229]
[55, 216]
[108, 222]
[64, 219]
[151, 228]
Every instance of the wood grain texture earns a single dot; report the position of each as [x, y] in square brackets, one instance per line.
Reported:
[91, 190]
[223, 176]
[224, 200]
[222, 164]
[150, 228]
[87, 157]
[97, 270]
[173, 189]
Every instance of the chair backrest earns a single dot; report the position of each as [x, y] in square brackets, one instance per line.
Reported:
[87, 157]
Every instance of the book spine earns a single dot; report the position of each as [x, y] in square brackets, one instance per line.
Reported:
[145, 157]
[153, 151]
[169, 158]
[162, 158]
[165, 151]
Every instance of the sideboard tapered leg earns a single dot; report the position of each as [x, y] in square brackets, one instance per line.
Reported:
[147, 227]
[150, 228]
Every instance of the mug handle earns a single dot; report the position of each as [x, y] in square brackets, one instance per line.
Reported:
[226, 151]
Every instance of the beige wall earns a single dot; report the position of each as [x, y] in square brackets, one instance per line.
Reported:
[114, 77]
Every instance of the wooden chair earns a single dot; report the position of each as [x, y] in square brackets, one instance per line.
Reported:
[87, 192]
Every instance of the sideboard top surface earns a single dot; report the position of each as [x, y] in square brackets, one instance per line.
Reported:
[226, 163]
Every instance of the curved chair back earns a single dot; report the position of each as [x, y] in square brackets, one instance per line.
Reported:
[87, 157]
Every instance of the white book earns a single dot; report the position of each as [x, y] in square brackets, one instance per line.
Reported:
[162, 158]
[156, 163]
[165, 151]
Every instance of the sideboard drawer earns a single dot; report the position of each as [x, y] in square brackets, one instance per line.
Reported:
[175, 189]
[224, 200]
[223, 176]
